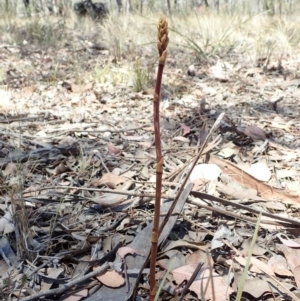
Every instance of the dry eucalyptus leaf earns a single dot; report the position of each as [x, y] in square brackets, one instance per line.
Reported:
[256, 287]
[181, 139]
[266, 192]
[205, 172]
[112, 149]
[228, 152]
[50, 275]
[288, 242]
[255, 132]
[75, 295]
[202, 281]
[109, 199]
[256, 266]
[110, 179]
[197, 257]
[259, 171]
[61, 168]
[123, 251]
[6, 224]
[185, 129]
[279, 265]
[292, 256]
[296, 271]
[10, 169]
[257, 250]
[181, 243]
[111, 278]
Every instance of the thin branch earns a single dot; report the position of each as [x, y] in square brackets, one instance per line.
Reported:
[206, 196]
[198, 194]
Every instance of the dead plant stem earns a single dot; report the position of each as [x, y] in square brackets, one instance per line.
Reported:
[162, 44]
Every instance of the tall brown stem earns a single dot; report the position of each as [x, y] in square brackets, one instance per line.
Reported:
[162, 44]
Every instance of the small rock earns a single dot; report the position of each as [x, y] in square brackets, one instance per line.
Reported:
[191, 71]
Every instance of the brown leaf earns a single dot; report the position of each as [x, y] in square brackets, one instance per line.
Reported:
[297, 275]
[182, 139]
[257, 250]
[61, 168]
[279, 265]
[288, 242]
[264, 190]
[111, 278]
[109, 199]
[203, 282]
[75, 296]
[112, 149]
[256, 287]
[110, 180]
[198, 256]
[259, 171]
[182, 243]
[122, 252]
[6, 224]
[242, 261]
[292, 256]
[10, 169]
[255, 132]
[185, 129]
[205, 172]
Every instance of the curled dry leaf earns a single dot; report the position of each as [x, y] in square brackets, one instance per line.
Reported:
[49, 275]
[125, 222]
